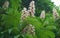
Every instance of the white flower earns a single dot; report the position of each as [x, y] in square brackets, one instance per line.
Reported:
[29, 29]
[33, 27]
[29, 11]
[24, 9]
[55, 13]
[42, 16]
[25, 13]
[5, 5]
[32, 3]
[30, 25]
[32, 8]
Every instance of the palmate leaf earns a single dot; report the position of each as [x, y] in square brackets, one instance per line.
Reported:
[50, 34]
[41, 33]
[14, 4]
[34, 22]
[17, 36]
[12, 19]
[28, 36]
[51, 27]
[23, 24]
[46, 34]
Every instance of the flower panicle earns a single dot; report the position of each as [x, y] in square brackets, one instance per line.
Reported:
[5, 5]
[32, 8]
[29, 29]
[29, 12]
[42, 16]
[55, 14]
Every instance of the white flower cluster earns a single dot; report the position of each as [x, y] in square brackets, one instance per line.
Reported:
[42, 16]
[32, 8]
[5, 5]
[25, 13]
[29, 12]
[55, 14]
[29, 29]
